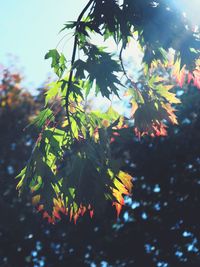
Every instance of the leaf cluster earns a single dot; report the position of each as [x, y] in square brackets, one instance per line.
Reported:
[71, 169]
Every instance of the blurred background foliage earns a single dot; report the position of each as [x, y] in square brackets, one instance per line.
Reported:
[159, 225]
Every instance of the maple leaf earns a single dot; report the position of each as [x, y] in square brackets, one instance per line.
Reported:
[194, 76]
[179, 73]
[87, 179]
[151, 105]
[149, 119]
[123, 184]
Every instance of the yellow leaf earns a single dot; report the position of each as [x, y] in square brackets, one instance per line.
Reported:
[126, 180]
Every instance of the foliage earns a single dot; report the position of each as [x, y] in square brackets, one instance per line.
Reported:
[159, 225]
[72, 168]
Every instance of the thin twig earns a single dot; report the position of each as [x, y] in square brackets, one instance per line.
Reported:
[124, 70]
[63, 39]
[73, 60]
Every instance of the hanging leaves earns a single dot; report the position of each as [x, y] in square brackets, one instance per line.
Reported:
[71, 170]
[75, 180]
[151, 106]
[98, 64]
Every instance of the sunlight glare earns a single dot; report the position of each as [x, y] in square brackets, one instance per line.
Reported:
[191, 9]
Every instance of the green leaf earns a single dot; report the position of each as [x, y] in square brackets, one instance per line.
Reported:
[163, 90]
[52, 92]
[58, 62]
[43, 117]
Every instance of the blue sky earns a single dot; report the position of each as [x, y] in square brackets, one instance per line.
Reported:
[29, 28]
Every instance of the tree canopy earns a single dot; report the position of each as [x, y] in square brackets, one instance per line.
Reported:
[72, 168]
